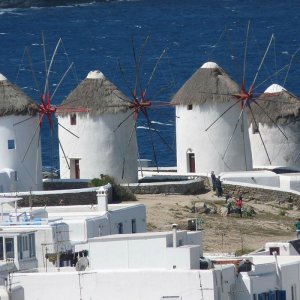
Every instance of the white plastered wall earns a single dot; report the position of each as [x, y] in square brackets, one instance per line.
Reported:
[101, 148]
[210, 146]
[282, 151]
[29, 166]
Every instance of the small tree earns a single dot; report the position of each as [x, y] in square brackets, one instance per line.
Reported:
[119, 193]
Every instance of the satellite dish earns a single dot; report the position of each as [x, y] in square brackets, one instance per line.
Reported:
[82, 264]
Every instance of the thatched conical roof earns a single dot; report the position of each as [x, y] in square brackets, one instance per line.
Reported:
[208, 83]
[96, 94]
[13, 101]
[276, 103]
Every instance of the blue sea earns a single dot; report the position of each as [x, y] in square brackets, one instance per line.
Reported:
[104, 36]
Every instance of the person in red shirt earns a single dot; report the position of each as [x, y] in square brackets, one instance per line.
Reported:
[239, 204]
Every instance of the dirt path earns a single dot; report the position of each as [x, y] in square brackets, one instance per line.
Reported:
[222, 233]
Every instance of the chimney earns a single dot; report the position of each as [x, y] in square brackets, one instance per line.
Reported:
[174, 228]
[103, 197]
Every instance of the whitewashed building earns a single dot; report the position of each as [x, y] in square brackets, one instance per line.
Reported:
[20, 149]
[202, 145]
[99, 114]
[277, 106]
[37, 236]
[162, 265]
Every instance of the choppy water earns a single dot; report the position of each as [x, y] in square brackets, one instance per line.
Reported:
[96, 36]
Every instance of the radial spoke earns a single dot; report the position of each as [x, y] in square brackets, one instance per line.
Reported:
[263, 143]
[271, 119]
[125, 80]
[153, 72]
[51, 151]
[121, 123]
[235, 127]
[139, 63]
[208, 55]
[287, 73]
[139, 160]
[67, 130]
[27, 119]
[27, 52]
[127, 147]
[151, 139]
[245, 51]
[274, 74]
[61, 146]
[31, 140]
[136, 65]
[37, 159]
[262, 61]
[162, 89]
[69, 61]
[63, 151]
[46, 88]
[121, 98]
[158, 133]
[230, 107]
[244, 146]
[61, 80]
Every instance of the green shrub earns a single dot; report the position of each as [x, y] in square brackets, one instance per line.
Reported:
[119, 193]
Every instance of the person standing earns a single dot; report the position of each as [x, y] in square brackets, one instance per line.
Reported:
[229, 206]
[219, 187]
[239, 204]
[213, 180]
[297, 225]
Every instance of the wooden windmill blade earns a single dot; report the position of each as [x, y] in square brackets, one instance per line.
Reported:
[141, 103]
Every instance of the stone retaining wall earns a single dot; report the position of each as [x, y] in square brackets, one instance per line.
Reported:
[82, 198]
[261, 194]
[64, 185]
[195, 186]
[188, 187]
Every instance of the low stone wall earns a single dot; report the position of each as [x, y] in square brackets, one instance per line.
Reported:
[82, 198]
[188, 187]
[51, 185]
[261, 194]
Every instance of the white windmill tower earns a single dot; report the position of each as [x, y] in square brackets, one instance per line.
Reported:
[99, 114]
[275, 128]
[207, 138]
[19, 150]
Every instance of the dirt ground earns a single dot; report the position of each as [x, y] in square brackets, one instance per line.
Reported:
[270, 222]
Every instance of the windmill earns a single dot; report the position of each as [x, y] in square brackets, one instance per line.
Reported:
[279, 105]
[199, 102]
[18, 117]
[220, 147]
[141, 103]
[101, 149]
[45, 107]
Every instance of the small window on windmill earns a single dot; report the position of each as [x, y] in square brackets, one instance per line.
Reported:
[16, 176]
[73, 119]
[255, 128]
[190, 107]
[11, 144]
